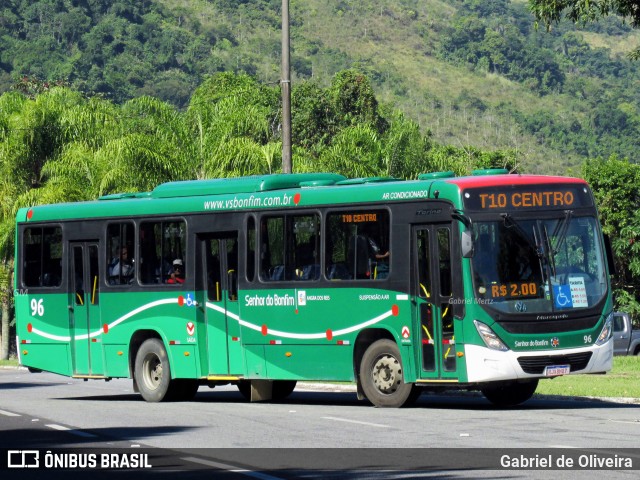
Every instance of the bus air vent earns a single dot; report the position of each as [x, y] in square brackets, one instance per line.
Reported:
[256, 183]
[490, 171]
[436, 175]
[360, 181]
[535, 365]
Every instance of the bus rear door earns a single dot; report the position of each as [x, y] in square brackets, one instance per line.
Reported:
[219, 263]
[433, 290]
[84, 309]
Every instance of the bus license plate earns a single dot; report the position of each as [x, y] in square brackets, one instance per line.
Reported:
[556, 370]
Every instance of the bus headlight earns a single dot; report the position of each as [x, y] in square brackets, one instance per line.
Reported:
[489, 337]
[607, 330]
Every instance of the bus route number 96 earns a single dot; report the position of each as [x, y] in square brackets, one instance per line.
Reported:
[37, 307]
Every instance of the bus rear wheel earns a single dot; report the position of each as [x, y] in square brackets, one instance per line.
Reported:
[381, 376]
[282, 389]
[511, 393]
[152, 371]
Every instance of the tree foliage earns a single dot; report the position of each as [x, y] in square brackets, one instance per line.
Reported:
[584, 11]
[615, 185]
[120, 50]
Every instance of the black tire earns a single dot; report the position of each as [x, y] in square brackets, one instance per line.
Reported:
[510, 394]
[381, 376]
[152, 371]
[282, 389]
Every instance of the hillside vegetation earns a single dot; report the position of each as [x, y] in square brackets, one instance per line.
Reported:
[469, 72]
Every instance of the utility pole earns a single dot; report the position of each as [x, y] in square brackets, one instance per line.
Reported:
[285, 85]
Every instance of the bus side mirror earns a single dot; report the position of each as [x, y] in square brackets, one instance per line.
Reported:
[466, 244]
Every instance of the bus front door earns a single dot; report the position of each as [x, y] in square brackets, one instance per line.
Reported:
[433, 290]
[220, 303]
[84, 309]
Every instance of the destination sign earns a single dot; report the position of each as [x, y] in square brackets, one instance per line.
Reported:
[359, 217]
[527, 197]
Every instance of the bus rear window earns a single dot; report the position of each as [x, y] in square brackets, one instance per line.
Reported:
[42, 257]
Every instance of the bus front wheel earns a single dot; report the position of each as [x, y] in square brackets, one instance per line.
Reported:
[511, 393]
[381, 376]
[152, 371]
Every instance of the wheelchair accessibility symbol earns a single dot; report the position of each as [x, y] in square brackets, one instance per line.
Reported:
[187, 300]
[562, 296]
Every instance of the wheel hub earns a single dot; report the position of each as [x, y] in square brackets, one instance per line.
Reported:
[387, 374]
[153, 371]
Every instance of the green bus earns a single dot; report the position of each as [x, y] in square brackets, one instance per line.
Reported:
[486, 282]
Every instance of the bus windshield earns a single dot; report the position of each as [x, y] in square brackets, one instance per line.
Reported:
[525, 266]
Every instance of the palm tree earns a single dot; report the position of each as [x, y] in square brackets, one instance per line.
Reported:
[29, 136]
[233, 118]
[356, 151]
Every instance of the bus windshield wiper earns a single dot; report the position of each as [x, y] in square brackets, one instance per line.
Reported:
[560, 232]
[550, 252]
[557, 238]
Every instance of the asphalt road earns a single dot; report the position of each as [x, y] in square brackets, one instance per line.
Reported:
[317, 433]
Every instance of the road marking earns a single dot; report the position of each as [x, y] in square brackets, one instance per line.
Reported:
[632, 422]
[356, 422]
[230, 468]
[78, 433]
[57, 427]
[9, 414]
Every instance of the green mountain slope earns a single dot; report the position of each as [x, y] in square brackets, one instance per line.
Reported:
[472, 72]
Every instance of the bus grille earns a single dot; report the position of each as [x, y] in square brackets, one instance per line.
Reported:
[535, 365]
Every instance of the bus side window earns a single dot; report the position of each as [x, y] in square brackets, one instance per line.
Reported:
[290, 248]
[120, 253]
[358, 245]
[306, 244]
[251, 249]
[42, 265]
[272, 249]
[162, 245]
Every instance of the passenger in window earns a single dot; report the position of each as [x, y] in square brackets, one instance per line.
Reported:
[376, 252]
[177, 276]
[365, 256]
[121, 268]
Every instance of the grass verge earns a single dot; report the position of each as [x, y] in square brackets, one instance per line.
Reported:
[12, 362]
[622, 381]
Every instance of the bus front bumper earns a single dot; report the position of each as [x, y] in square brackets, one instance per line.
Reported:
[486, 365]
